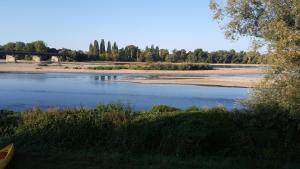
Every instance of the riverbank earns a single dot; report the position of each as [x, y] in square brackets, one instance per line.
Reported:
[194, 77]
[205, 81]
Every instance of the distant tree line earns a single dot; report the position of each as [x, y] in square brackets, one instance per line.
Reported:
[41, 47]
[111, 52]
[132, 53]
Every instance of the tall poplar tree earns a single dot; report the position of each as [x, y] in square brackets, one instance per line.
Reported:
[115, 46]
[91, 51]
[96, 48]
[109, 47]
[102, 46]
[115, 52]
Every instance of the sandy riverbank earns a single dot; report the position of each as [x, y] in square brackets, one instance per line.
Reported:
[170, 77]
[227, 82]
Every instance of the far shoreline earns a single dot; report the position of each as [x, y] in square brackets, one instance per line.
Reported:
[193, 77]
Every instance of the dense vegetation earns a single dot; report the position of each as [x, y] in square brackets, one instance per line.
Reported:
[154, 54]
[157, 66]
[267, 130]
[81, 160]
[276, 23]
[163, 130]
[41, 47]
[132, 53]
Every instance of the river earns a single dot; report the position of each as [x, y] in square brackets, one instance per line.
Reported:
[21, 91]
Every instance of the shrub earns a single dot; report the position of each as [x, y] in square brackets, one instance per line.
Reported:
[8, 123]
[163, 130]
[192, 109]
[163, 108]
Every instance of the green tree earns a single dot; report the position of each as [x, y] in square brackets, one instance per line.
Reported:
[2, 56]
[151, 54]
[91, 54]
[20, 46]
[109, 51]
[157, 52]
[197, 56]
[115, 52]
[121, 55]
[10, 46]
[131, 52]
[96, 52]
[201, 55]
[73, 55]
[109, 47]
[115, 46]
[173, 57]
[29, 47]
[102, 46]
[278, 23]
[40, 46]
[163, 53]
[183, 55]
[177, 56]
[238, 58]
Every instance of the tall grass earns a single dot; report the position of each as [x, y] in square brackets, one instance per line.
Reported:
[162, 130]
[8, 123]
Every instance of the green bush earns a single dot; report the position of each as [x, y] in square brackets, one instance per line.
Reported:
[8, 123]
[162, 130]
[192, 109]
[163, 108]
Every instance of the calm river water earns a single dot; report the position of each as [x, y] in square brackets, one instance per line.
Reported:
[21, 91]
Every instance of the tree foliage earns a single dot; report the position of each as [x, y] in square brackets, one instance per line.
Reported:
[277, 22]
[72, 55]
[132, 53]
[102, 46]
[96, 49]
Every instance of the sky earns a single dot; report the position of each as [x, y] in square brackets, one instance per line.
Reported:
[171, 24]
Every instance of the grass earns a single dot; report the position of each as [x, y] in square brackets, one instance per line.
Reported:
[157, 66]
[113, 136]
[127, 161]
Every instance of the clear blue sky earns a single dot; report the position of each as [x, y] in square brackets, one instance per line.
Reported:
[74, 24]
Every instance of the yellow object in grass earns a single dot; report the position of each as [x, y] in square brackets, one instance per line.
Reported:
[5, 155]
